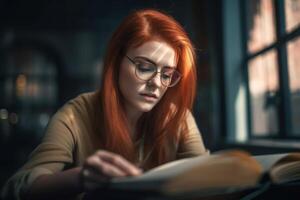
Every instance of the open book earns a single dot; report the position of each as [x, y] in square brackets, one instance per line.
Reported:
[221, 172]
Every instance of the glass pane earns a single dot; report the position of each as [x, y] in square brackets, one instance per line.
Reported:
[261, 25]
[292, 14]
[264, 84]
[294, 73]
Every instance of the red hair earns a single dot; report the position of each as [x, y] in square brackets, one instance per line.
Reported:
[162, 123]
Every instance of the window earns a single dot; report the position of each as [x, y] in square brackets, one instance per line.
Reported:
[273, 67]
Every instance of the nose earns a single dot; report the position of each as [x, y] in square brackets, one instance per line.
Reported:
[155, 80]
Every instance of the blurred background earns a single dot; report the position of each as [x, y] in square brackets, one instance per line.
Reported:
[248, 68]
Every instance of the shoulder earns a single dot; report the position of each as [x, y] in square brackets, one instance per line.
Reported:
[80, 109]
[189, 118]
[75, 117]
[84, 98]
[82, 103]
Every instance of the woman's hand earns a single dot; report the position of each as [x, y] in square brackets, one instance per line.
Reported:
[102, 166]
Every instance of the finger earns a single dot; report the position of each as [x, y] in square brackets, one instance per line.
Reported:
[119, 162]
[104, 168]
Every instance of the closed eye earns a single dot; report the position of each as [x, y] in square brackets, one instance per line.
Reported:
[145, 67]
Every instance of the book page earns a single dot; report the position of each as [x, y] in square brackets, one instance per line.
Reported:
[286, 169]
[267, 161]
[157, 176]
[231, 168]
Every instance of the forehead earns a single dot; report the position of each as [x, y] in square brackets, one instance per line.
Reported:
[159, 52]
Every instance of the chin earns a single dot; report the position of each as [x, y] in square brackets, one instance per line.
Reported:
[145, 108]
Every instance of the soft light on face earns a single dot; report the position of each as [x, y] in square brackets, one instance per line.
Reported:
[139, 95]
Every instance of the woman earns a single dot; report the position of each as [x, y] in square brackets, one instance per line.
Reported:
[137, 120]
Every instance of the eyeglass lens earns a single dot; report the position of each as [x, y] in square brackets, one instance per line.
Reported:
[146, 71]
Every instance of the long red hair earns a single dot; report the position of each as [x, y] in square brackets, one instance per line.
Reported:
[162, 123]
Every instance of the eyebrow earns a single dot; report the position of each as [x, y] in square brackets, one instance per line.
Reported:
[152, 62]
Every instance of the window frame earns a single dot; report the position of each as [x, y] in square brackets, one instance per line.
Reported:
[280, 46]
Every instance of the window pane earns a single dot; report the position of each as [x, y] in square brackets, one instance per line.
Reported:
[264, 84]
[292, 14]
[261, 25]
[294, 73]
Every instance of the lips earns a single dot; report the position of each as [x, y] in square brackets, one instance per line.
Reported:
[149, 95]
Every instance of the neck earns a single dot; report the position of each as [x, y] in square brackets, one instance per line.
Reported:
[133, 116]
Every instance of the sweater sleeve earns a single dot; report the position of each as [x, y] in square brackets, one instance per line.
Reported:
[191, 145]
[53, 154]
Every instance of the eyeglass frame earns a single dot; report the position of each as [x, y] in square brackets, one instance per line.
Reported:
[155, 73]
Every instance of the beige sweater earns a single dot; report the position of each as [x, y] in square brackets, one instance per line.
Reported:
[70, 138]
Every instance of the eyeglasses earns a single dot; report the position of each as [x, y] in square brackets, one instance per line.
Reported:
[145, 71]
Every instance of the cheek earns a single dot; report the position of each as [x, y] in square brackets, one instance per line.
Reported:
[127, 80]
